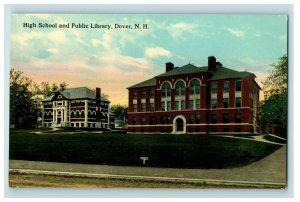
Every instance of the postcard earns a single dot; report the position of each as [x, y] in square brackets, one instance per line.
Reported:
[148, 100]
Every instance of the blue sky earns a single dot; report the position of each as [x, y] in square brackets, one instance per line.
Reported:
[118, 58]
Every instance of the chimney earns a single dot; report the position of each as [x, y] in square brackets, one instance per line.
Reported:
[169, 66]
[98, 93]
[211, 64]
[219, 64]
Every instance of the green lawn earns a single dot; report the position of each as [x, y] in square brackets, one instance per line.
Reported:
[181, 151]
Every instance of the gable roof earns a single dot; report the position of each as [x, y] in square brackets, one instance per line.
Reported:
[149, 82]
[78, 93]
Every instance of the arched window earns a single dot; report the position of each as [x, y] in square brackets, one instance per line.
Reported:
[82, 114]
[179, 88]
[77, 114]
[194, 87]
[72, 114]
[166, 90]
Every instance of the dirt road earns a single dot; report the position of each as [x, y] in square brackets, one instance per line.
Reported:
[20, 180]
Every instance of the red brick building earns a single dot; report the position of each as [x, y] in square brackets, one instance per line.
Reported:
[197, 100]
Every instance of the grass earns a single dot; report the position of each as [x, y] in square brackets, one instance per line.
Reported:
[180, 151]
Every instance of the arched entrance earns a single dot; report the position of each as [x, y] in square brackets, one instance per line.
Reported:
[179, 125]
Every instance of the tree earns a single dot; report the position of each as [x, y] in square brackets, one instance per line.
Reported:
[23, 107]
[121, 114]
[274, 107]
[120, 111]
[26, 97]
[45, 89]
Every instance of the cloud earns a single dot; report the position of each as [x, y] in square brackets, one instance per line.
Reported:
[236, 32]
[23, 39]
[157, 52]
[177, 30]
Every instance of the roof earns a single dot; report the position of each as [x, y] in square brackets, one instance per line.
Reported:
[186, 69]
[149, 82]
[225, 73]
[220, 73]
[78, 93]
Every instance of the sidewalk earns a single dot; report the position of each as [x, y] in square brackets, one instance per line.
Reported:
[268, 172]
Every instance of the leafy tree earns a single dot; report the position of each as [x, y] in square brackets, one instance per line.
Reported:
[276, 82]
[26, 97]
[45, 89]
[274, 107]
[120, 111]
[23, 107]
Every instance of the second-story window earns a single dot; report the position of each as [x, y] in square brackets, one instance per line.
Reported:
[238, 86]
[226, 87]
[166, 90]
[143, 94]
[134, 95]
[194, 87]
[152, 93]
[213, 88]
[180, 88]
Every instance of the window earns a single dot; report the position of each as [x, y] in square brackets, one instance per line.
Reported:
[134, 95]
[225, 130]
[77, 114]
[152, 107]
[191, 104]
[182, 107]
[238, 102]
[194, 87]
[168, 119]
[176, 105]
[134, 107]
[82, 114]
[143, 107]
[238, 117]
[225, 102]
[152, 93]
[168, 105]
[197, 103]
[213, 118]
[237, 130]
[133, 120]
[143, 95]
[180, 88]
[163, 120]
[226, 87]
[197, 118]
[166, 90]
[238, 85]
[213, 103]
[163, 106]
[213, 88]
[191, 118]
[225, 118]
[143, 120]
[152, 120]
